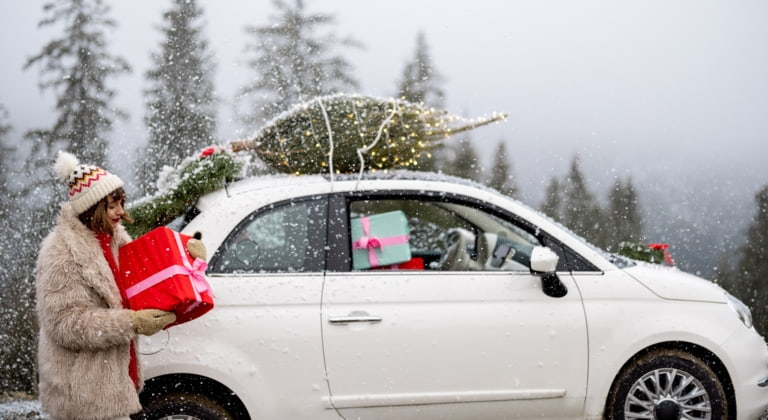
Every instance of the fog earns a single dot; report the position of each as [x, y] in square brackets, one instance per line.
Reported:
[673, 94]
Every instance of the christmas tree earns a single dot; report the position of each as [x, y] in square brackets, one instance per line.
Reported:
[347, 133]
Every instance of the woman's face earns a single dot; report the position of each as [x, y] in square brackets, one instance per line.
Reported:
[115, 211]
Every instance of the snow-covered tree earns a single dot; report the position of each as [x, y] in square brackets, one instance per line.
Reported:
[17, 316]
[76, 67]
[6, 158]
[752, 274]
[569, 201]
[181, 113]
[581, 210]
[465, 162]
[501, 177]
[552, 205]
[293, 62]
[625, 223]
[420, 82]
[7, 206]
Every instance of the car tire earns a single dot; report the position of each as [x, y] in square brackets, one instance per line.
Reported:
[667, 384]
[183, 406]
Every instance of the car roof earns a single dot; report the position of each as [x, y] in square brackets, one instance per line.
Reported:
[266, 182]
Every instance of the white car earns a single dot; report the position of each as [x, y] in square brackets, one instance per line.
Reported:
[497, 313]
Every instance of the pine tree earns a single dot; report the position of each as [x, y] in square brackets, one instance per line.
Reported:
[581, 211]
[420, 81]
[18, 325]
[76, 67]
[466, 163]
[553, 200]
[624, 221]
[181, 110]
[293, 63]
[501, 177]
[753, 266]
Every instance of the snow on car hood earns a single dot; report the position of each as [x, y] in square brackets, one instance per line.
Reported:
[672, 283]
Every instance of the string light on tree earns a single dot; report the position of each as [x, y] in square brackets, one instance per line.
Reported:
[298, 142]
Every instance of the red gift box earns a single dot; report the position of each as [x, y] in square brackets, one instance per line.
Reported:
[159, 273]
[415, 263]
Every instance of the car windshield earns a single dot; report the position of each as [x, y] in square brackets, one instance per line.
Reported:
[179, 223]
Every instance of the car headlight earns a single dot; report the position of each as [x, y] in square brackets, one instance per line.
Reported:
[740, 308]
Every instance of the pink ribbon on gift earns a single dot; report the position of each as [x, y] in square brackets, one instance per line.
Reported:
[195, 270]
[372, 242]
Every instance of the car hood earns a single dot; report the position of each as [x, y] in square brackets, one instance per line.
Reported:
[671, 283]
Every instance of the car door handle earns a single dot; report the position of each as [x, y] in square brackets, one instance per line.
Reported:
[354, 319]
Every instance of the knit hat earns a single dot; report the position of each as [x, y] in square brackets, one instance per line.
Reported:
[87, 184]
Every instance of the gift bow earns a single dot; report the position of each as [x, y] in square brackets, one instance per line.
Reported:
[366, 242]
[372, 242]
[197, 275]
[667, 256]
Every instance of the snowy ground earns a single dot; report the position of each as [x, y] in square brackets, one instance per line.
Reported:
[20, 407]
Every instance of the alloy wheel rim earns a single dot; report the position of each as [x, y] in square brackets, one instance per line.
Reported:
[667, 394]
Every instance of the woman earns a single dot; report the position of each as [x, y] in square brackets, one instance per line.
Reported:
[87, 351]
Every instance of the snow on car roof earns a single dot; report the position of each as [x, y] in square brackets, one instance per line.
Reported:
[279, 180]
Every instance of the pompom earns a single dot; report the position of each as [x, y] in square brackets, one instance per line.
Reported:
[65, 163]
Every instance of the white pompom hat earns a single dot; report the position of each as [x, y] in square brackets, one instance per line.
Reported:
[87, 184]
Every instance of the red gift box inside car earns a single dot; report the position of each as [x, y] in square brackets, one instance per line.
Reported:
[159, 273]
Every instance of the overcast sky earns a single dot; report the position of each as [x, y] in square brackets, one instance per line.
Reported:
[660, 89]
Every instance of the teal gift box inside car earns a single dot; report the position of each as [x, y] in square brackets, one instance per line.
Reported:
[379, 240]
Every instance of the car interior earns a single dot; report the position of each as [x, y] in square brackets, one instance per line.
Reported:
[454, 237]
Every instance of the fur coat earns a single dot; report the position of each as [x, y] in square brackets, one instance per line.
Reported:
[85, 333]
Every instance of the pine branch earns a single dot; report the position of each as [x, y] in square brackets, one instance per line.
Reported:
[196, 176]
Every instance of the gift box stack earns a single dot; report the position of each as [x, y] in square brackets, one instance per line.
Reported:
[159, 273]
[380, 240]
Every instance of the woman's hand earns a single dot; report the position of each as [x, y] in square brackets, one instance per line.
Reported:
[196, 248]
[150, 321]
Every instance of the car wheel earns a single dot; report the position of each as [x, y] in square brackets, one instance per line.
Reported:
[667, 385]
[183, 406]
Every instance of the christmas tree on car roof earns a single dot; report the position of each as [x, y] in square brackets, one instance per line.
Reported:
[328, 135]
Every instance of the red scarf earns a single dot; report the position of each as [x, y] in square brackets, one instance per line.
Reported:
[105, 240]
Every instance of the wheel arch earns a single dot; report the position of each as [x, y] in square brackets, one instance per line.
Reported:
[706, 356]
[194, 384]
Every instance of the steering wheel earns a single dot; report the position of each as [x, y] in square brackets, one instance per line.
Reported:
[456, 257]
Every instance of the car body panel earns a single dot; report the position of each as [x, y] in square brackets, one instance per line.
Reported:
[672, 283]
[264, 331]
[440, 339]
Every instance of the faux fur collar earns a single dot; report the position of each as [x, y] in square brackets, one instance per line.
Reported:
[81, 245]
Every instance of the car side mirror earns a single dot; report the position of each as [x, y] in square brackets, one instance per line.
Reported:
[544, 264]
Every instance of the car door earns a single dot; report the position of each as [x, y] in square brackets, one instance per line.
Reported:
[418, 341]
[268, 277]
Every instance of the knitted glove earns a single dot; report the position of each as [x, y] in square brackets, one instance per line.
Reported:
[196, 247]
[150, 321]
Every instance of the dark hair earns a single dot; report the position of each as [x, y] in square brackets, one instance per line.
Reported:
[95, 218]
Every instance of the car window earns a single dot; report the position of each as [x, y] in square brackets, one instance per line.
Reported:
[284, 238]
[442, 235]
